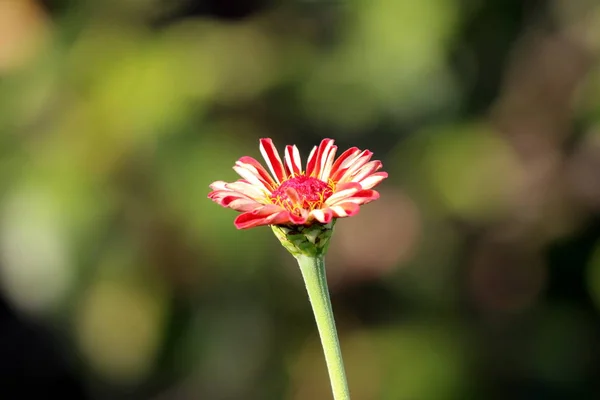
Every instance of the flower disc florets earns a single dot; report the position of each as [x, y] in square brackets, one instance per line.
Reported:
[302, 193]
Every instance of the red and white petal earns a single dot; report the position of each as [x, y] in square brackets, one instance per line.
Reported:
[218, 185]
[350, 153]
[351, 165]
[323, 158]
[267, 215]
[233, 200]
[327, 164]
[262, 172]
[221, 190]
[251, 176]
[369, 168]
[317, 162]
[343, 210]
[240, 204]
[218, 195]
[343, 191]
[259, 216]
[361, 197]
[293, 163]
[271, 156]
[373, 180]
[248, 190]
[323, 215]
[310, 162]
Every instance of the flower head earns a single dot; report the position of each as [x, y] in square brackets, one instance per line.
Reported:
[328, 188]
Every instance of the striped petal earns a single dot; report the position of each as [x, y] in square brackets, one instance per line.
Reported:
[318, 159]
[350, 153]
[366, 170]
[218, 185]
[247, 189]
[267, 215]
[262, 172]
[323, 159]
[345, 190]
[312, 160]
[271, 156]
[373, 180]
[350, 165]
[324, 215]
[327, 164]
[251, 176]
[240, 204]
[345, 210]
[360, 197]
[293, 163]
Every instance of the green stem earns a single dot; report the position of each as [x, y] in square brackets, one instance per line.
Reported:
[313, 272]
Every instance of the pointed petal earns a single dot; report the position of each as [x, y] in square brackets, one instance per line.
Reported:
[248, 190]
[262, 172]
[350, 153]
[314, 169]
[352, 161]
[293, 162]
[310, 163]
[343, 191]
[327, 164]
[347, 185]
[219, 195]
[373, 180]
[359, 198]
[260, 216]
[267, 215]
[345, 210]
[240, 204]
[271, 156]
[251, 176]
[350, 166]
[218, 185]
[366, 170]
[324, 215]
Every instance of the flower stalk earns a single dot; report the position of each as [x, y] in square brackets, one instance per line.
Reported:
[313, 272]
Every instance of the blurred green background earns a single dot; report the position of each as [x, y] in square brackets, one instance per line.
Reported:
[475, 276]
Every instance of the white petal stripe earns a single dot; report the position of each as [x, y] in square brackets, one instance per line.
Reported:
[328, 163]
[265, 155]
[248, 190]
[358, 163]
[248, 175]
[218, 185]
[336, 197]
[339, 211]
[323, 160]
[373, 180]
[319, 215]
[292, 160]
[350, 160]
[366, 170]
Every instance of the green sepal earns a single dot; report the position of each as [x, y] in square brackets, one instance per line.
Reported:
[311, 240]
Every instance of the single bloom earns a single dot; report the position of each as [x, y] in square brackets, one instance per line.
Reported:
[327, 188]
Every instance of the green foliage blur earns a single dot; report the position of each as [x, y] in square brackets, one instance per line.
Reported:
[475, 276]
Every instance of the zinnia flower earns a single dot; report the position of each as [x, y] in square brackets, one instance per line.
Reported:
[328, 188]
